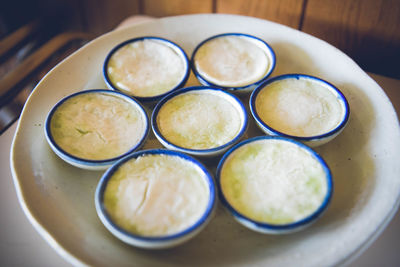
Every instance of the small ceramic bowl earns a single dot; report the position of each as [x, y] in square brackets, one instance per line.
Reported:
[147, 68]
[233, 61]
[274, 185]
[93, 129]
[155, 198]
[301, 107]
[201, 121]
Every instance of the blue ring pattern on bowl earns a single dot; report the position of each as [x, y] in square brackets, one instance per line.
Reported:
[197, 152]
[248, 87]
[170, 44]
[276, 228]
[88, 163]
[156, 241]
[309, 139]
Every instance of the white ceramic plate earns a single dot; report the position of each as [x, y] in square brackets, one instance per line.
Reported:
[58, 198]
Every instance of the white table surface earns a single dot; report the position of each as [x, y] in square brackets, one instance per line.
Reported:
[21, 245]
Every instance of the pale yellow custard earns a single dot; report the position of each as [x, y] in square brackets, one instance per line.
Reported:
[156, 195]
[232, 61]
[199, 120]
[299, 107]
[146, 68]
[273, 181]
[97, 126]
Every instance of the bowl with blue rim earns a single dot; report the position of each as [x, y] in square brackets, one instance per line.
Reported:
[274, 185]
[199, 120]
[233, 61]
[147, 68]
[299, 106]
[168, 185]
[92, 129]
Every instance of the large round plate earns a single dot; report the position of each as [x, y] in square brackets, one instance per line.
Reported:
[58, 198]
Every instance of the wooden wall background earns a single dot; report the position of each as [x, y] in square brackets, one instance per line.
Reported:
[367, 30]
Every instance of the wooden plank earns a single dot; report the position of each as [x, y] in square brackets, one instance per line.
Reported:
[162, 8]
[101, 16]
[367, 30]
[286, 12]
[15, 38]
[9, 81]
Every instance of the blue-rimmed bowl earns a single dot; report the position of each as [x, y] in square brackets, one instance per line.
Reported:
[149, 73]
[201, 75]
[158, 241]
[336, 99]
[199, 120]
[75, 158]
[240, 170]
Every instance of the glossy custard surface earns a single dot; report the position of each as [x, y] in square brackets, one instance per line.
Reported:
[273, 181]
[156, 195]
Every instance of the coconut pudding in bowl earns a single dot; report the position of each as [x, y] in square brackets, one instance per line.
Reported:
[201, 121]
[301, 107]
[93, 129]
[146, 68]
[155, 198]
[274, 184]
[233, 61]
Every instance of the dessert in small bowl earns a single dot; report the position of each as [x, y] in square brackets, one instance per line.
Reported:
[155, 198]
[301, 107]
[146, 68]
[274, 184]
[92, 129]
[202, 121]
[234, 61]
